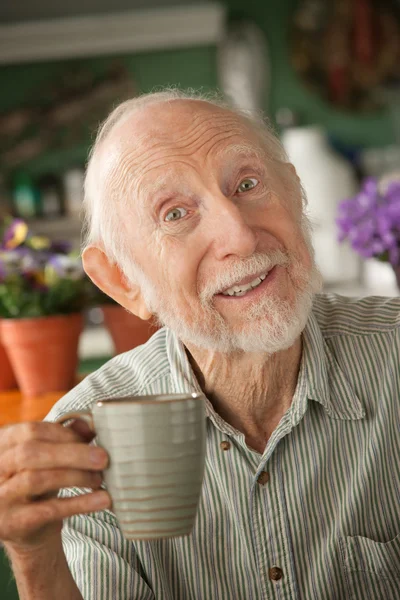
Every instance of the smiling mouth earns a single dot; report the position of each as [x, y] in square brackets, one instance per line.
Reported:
[242, 288]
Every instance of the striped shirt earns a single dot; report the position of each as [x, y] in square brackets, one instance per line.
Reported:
[315, 517]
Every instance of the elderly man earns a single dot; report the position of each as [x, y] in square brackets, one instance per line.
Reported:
[194, 215]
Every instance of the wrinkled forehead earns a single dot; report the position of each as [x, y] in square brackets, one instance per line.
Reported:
[161, 135]
[182, 122]
[176, 173]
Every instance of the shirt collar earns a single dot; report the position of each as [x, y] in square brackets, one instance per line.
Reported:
[320, 379]
[325, 380]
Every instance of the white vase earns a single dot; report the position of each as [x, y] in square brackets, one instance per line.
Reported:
[243, 65]
[379, 278]
[327, 179]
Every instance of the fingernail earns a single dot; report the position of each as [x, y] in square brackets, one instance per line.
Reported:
[98, 456]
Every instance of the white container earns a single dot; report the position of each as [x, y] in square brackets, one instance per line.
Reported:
[327, 179]
[379, 278]
[73, 189]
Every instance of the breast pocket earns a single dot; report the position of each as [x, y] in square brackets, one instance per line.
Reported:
[372, 568]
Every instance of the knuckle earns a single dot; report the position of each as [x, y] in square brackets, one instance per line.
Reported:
[49, 511]
[41, 482]
[30, 430]
[25, 451]
[6, 464]
[31, 481]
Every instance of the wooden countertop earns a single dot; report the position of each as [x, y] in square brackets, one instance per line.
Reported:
[14, 408]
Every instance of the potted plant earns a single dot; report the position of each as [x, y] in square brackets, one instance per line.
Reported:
[7, 375]
[370, 221]
[43, 290]
[127, 330]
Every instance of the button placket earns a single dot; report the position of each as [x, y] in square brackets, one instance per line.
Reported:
[275, 573]
[263, 478]
[225, 445]
[271, 558]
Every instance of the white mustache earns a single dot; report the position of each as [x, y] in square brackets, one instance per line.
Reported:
[254, 265]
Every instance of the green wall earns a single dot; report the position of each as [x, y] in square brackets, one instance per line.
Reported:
[196, 67]
[192, 67]
[287, 90]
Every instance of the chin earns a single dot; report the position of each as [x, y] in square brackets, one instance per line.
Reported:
[269, 331]
[270, 325]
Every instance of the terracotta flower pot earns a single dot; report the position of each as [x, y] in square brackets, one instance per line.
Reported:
[7, 377]
[127, 331]
[43, 351]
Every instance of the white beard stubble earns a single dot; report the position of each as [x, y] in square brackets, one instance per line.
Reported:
[270, 324]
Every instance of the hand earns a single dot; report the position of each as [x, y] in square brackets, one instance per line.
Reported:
[36, 460]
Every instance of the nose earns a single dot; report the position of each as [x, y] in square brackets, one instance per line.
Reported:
[230, 234]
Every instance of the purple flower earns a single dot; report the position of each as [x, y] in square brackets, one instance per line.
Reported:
[371, 220]
[32, 262]
[61, 266]
[370, 186]
[10, 261]
[61, 247]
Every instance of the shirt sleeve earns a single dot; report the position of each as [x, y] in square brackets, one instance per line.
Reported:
[103, 563]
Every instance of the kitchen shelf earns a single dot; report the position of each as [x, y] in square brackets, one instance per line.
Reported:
[60, 228]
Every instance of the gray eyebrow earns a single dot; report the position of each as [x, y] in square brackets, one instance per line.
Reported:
[153, 186]
[242, 150]
[236, 150]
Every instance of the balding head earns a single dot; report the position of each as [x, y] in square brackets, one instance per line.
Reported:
[190, 204]
[134, 130]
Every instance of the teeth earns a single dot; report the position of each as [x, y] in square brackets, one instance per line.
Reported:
[240, 290]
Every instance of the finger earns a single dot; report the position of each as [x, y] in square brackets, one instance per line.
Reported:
[29, 484]
[37, 430]
[82, 428]
[37, 455]
[30, 518]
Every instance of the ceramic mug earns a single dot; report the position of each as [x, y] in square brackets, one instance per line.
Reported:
[156, 445]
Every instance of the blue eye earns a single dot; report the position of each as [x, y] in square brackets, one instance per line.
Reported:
[247, 184]
[175, 214]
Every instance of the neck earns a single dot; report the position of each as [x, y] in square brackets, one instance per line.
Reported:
[250, 391]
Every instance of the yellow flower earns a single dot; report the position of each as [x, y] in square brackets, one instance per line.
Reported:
[40, 278]
[50, 275]
[16, 234]
[39, 242]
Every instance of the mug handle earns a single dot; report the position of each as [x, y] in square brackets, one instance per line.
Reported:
[85, 415]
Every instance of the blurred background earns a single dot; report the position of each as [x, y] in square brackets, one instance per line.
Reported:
[326, 74]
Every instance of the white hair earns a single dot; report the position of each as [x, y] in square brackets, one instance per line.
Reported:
[270, 325]
[102, 207]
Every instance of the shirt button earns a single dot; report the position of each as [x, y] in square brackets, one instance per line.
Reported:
[275, 573]
[263, 478]
[225, 446]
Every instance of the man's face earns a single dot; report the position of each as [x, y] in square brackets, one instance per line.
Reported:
[212, 227]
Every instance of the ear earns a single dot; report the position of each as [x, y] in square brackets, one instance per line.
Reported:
[295, 185]
[109, 278]
[292, 168]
